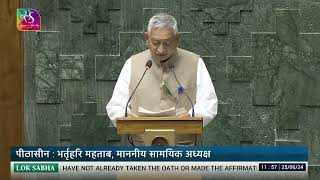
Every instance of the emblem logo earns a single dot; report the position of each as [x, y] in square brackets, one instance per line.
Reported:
[28, 20]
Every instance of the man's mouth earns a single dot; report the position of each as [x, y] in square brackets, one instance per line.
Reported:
[164, 60]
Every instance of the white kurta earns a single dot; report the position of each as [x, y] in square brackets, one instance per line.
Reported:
[206, 105]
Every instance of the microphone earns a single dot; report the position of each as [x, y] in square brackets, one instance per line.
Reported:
[148, 66]
[175, 77]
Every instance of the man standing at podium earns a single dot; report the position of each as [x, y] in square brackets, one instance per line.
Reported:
[175, 78]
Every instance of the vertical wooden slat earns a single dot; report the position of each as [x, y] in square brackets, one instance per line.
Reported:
[11, 84]
[21, 65]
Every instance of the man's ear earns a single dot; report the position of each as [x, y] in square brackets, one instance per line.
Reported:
[146, 35]
[178, 36]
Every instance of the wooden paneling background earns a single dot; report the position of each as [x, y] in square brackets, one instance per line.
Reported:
[11, 83]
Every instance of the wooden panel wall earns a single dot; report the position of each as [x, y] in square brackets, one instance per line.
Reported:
[11, 83]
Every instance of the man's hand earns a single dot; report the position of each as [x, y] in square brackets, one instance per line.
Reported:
[184, 115]
[131, 114]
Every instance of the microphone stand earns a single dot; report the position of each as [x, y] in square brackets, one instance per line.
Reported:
[148, 65]
[174, 74]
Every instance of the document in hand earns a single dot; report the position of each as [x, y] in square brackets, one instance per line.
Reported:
[167, 112]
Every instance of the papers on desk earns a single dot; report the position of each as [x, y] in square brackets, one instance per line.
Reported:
[167, 112]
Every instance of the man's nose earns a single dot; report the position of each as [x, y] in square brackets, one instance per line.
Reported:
[161, 49]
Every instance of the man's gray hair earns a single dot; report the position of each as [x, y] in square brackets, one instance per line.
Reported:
[163, 20]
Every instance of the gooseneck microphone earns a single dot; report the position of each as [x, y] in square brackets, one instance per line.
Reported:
[175, 77]
[148, 66]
